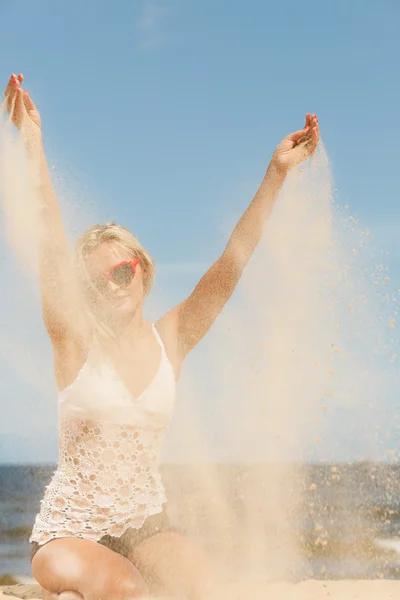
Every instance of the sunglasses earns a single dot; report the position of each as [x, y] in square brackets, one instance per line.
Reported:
[122, 274]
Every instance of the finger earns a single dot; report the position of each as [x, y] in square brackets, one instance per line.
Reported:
[312, 134]
[10, 100]
[297, 135]
[29, 104]
[10, 103]
[19, 111]
[10, 85]
[10, 92]
[313, 120]
[315, 128]
[312, 142]
[13, 82]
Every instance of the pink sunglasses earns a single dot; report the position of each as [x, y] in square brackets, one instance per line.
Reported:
[122, 274]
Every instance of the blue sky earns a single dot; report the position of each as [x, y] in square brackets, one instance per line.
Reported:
[164, 115]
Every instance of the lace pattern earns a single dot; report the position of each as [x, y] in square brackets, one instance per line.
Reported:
[107, 481]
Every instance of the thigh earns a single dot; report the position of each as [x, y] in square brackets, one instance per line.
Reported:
[133, 537]
[85, 567]
[172, 564]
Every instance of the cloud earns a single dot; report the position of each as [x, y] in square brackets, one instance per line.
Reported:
[151, 24]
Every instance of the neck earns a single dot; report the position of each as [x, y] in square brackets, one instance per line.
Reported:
[133, 328]
[126, 331]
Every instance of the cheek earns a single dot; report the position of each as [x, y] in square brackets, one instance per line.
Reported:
[135, 293]
[137, 284]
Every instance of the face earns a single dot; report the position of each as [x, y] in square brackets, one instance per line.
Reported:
[118, 296]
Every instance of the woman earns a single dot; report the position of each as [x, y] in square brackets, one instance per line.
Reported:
[102, 530]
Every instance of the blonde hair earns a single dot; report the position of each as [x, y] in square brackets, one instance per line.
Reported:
[120, 236]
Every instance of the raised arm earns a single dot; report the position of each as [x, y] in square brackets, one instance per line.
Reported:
[56, 281]
[191, 320]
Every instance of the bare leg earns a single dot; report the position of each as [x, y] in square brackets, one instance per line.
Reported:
[172, 564]
[76, 569]
[62, 596]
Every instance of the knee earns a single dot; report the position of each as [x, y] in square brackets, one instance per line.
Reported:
[60, 573]
[123, 589]
[58, 567]
[66, 596]
[132, 588]
[122, 585]
[71, 572]
[63, 596]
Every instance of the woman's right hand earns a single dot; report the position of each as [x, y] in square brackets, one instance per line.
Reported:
[22, 110]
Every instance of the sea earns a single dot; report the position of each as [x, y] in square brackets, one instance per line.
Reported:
[346, 525]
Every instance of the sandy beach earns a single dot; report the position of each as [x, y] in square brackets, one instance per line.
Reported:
[306, 590]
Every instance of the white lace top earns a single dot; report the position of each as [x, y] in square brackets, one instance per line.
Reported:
[107, 479]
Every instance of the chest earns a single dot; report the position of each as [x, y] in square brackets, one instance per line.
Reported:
[136, 371]
[102, 394]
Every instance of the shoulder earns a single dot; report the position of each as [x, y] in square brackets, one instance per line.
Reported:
[69, 357]
[167, 329]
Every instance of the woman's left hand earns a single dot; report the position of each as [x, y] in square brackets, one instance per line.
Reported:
[298, 146]
[21, 108]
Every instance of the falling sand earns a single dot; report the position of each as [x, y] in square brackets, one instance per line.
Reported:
[291, 369]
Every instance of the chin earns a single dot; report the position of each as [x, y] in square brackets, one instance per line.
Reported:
[123, 312]
[119, 313]
[125, 304]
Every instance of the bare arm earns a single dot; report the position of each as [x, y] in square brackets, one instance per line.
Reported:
[192, 319]
[198, 312]
[59, 299]
[55, 276]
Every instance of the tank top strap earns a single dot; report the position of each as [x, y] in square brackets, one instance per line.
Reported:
[159, 340]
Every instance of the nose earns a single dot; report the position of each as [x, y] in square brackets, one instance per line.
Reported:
[112, 287]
